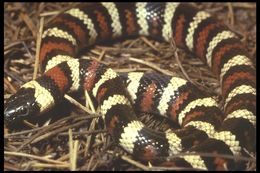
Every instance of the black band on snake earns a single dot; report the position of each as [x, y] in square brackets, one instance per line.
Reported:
[204, 128]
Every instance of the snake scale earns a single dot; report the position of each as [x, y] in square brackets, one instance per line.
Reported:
[205, 128]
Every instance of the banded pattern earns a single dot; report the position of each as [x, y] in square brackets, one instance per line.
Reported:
[204, 128]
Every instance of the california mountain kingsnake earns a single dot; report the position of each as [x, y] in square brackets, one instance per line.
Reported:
[203, 123]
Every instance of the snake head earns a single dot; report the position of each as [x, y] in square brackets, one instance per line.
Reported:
[20, 106]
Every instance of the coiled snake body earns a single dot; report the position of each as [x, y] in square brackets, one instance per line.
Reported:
[204, 127]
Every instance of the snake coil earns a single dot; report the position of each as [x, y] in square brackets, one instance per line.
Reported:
[204, 127]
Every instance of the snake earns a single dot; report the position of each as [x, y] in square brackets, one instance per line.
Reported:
[204, 126]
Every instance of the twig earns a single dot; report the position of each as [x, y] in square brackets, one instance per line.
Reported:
[253, 51]
[57, 124]
[75, 154]
[76, 103]
[99, 53]
[155, 67]
[73, 151]
[46, 165]
[13, 44]
[123, 50]
[126, 70]
[27, 50]
[67, 156]
[29, 23]
[83, 132]
[9, 85]
[135, 163]
[102, 54]
[133, 42]
[50, 13]
[70, 149]
[38, 44]
[90, 163]
[245, 5]
[149, 44]
[89, 102]
[34, 157]
[231, 14]
[53, 132]
[11, 167]
[54, 15]
[180, 65]
[29, 124]
[14, 76]
[92, 126]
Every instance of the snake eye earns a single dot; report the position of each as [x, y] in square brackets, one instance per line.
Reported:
[23, 111]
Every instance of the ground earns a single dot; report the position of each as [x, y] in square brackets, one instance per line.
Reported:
[94, 148]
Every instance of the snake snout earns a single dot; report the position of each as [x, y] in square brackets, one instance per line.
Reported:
[12, 114]
[19, 107]
[8, 116]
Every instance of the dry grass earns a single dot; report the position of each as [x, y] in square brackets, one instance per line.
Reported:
[79, 141]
